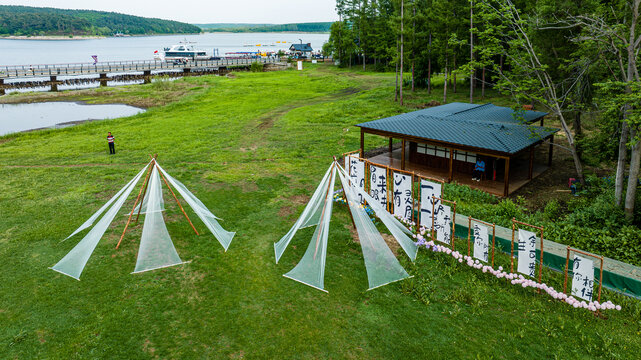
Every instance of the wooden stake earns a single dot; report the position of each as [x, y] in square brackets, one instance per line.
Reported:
[175, 198]
[135, 203]
[144, 192]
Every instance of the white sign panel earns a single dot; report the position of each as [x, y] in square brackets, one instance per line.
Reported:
[378, 184]
[583, 279]
[403, 195]
[429, 190]
[527, 253]
[481, 242]
[300, 65]
[443, 223]
[357, 174]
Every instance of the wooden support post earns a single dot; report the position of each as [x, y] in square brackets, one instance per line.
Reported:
[390, 146]
[451, 170]
[512, 247]
[103, 79]
[530, 170]
[146, 76]
[175, 198]
[362, 150]
[469, 233]
[403, 154]
[551, 150]
[506, 180]
[54, 83]
[144, 192]
[135, 203]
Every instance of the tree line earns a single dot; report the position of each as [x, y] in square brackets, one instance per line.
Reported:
[32, 21]
[574, 58]
[322, 27]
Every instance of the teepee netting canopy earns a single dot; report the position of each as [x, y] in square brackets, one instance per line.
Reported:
[381, 264]
[156, 248]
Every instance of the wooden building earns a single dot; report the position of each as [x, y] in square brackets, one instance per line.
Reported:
[301, 50]
[446, 141]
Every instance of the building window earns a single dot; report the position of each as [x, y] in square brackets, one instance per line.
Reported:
[444, 153]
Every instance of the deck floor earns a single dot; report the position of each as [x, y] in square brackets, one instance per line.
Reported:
[518, 173]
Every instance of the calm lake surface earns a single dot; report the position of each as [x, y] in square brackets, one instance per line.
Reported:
[21, 117]
[32, 52]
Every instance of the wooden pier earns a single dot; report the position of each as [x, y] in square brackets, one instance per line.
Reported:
[24, 76]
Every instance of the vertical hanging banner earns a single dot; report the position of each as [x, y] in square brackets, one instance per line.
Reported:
[429, 190]
[443, 223]
[403, 195]
[481, 242]
[357, 174]
[378, 184]
[527, 253]
[583, 278]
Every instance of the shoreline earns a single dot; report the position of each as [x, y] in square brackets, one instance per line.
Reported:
[51, 37]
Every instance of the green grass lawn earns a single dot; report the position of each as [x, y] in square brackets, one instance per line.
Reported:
[252, 147]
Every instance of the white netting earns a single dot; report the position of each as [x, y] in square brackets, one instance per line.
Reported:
[396, 228]
[145, 201]
[74, 262]
[224, 237]
[156, 249]
[309, 217]
[311, 268]
[381, 264]
[93, 217]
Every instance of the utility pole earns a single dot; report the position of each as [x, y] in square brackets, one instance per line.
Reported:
[401, 88]
[471, 52]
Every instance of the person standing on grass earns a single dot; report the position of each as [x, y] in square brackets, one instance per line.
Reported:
[110, 140]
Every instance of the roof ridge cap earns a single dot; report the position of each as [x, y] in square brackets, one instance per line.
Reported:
[472, 108]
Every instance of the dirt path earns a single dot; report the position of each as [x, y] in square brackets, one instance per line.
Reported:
[267, 121]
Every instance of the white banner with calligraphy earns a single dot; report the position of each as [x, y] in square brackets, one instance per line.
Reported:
[403, 195]
[481, 242]
[527, 253]
[443, 223]
[378, 184]
[429, 190]
[583, 279]
[357, 174]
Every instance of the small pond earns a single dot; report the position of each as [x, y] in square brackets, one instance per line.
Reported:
[23, 117]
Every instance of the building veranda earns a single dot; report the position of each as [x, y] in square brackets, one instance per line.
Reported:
[445, 142]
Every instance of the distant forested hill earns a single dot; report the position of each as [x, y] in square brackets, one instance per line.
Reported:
[299, 27]
[26, 20]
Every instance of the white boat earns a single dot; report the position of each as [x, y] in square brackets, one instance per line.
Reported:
[184, 51]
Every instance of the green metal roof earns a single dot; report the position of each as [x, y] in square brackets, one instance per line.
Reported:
[480, 126]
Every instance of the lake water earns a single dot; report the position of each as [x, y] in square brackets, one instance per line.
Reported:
[21, 117]
[32, 52]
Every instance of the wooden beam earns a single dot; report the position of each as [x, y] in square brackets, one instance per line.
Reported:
[506, 189]
[362, 143]
[451, 170]
[402, 154]
[551, 150]
[530, 170]
[480, 151]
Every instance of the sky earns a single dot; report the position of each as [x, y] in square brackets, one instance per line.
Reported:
[205, 11]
